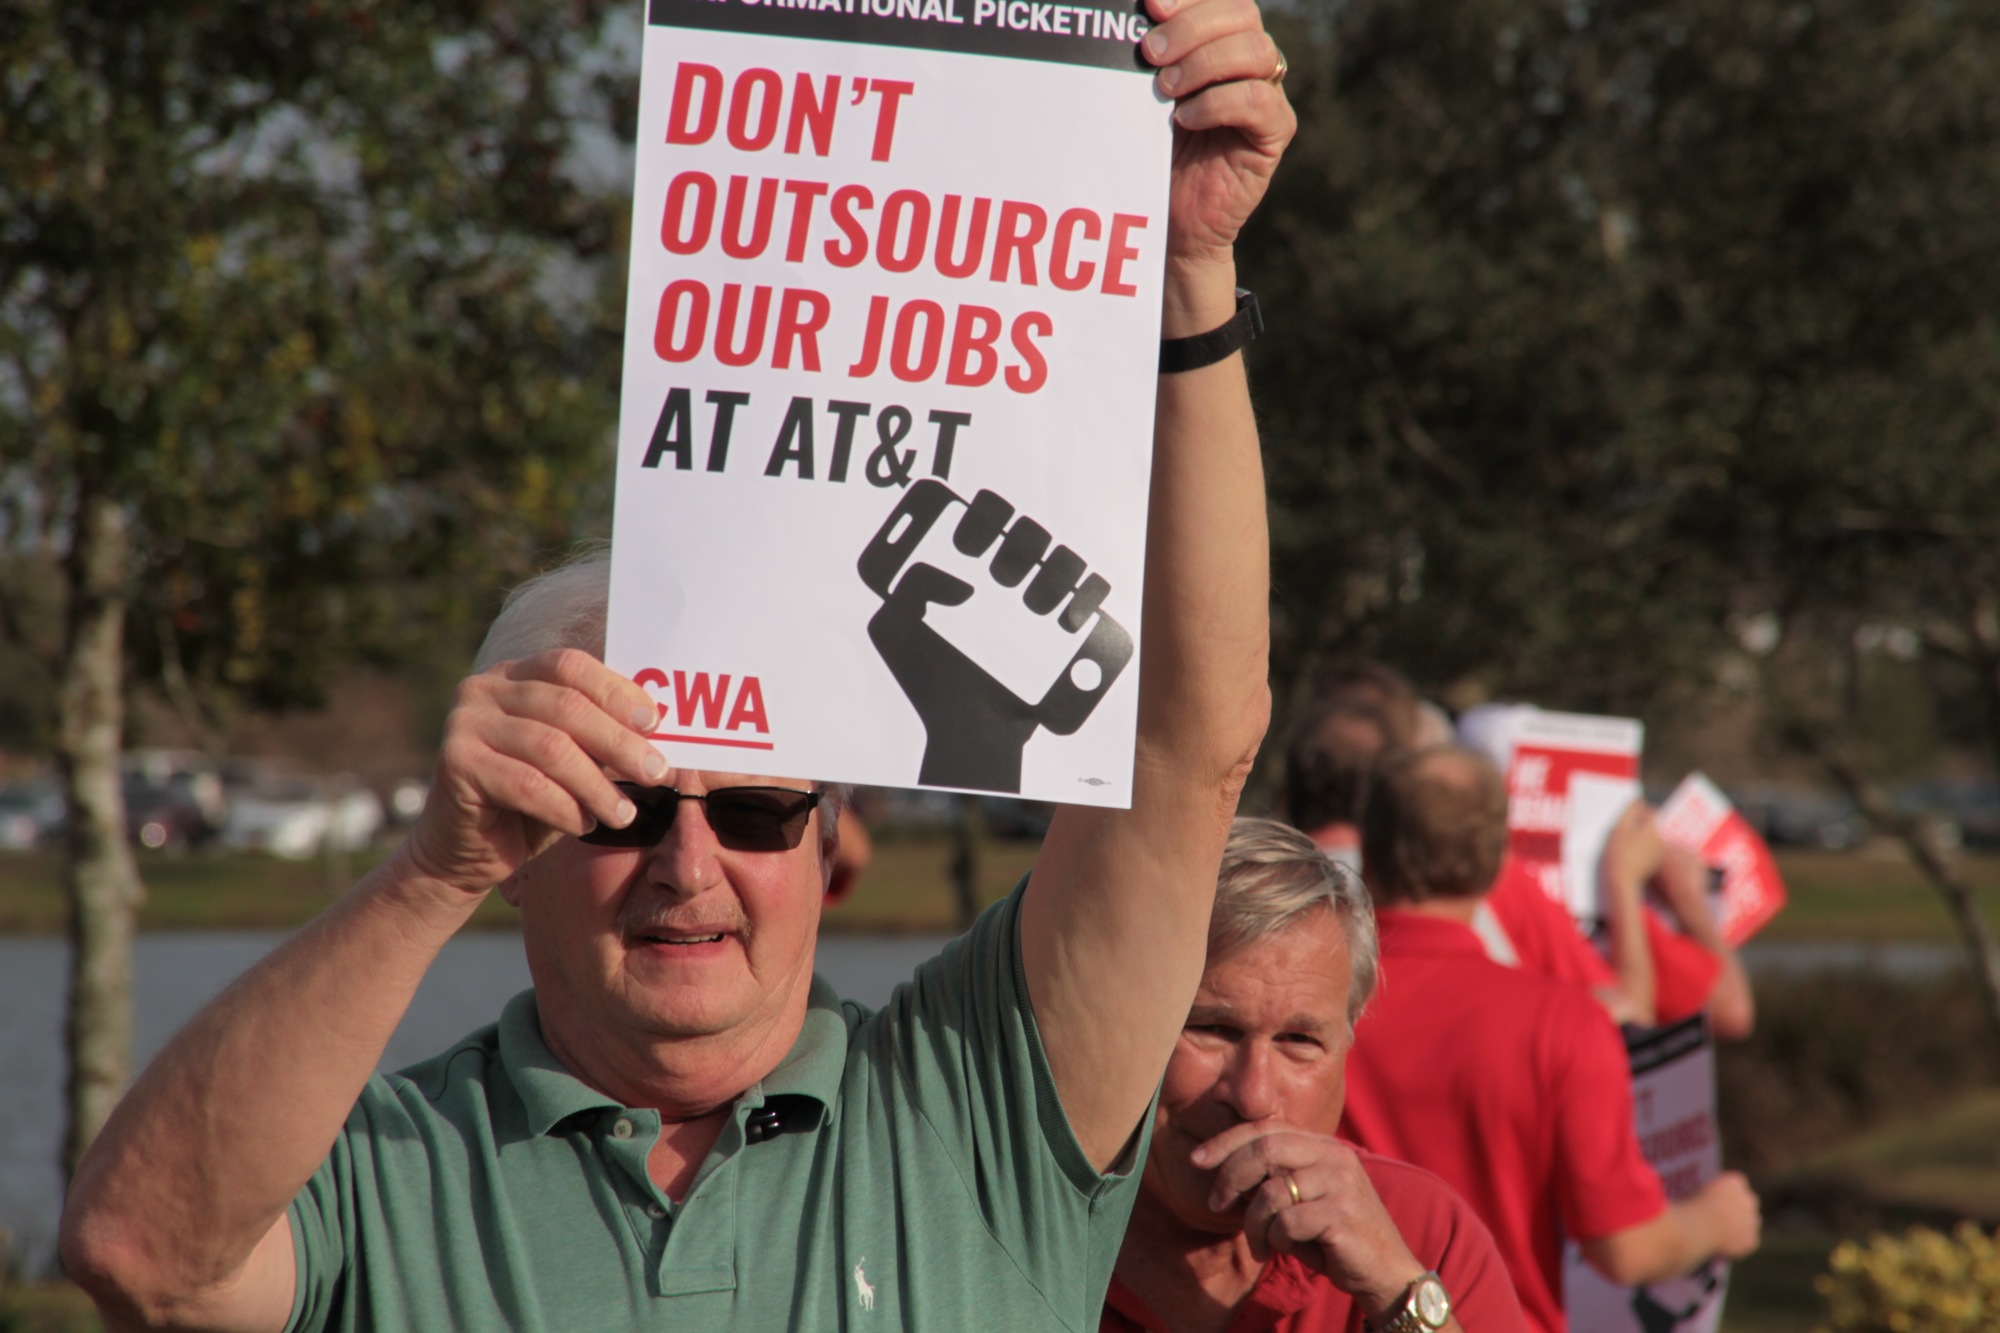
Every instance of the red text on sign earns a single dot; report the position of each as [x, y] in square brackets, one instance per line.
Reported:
[1005, 241]
[757, 102]
[914, 341]
[730, 709]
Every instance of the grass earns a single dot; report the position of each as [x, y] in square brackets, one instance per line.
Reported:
[1834, 895]
[1937, 1165]
[906, 886]
[905, 889]
[1873, 896]
[45, 1307]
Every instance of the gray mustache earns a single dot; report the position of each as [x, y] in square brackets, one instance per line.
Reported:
[643, 922]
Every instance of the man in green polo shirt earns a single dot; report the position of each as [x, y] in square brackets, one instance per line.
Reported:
[679, 1126]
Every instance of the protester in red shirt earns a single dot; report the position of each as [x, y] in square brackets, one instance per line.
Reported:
[1252, 1217]
[1327, 767]
[1510, 1085]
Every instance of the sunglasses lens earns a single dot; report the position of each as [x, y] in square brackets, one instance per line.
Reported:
[759, 819]
[656, 806]
[745, 819]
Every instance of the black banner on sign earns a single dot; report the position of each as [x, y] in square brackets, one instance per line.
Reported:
[1649, 1048]
[1100, 35]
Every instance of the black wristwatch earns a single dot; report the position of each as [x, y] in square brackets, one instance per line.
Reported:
[1425, 1308]
[1205, 349]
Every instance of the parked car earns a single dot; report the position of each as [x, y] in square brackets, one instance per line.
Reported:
[31, 813]
[1968, 809]
[298, 818]
[406, 800]
[167, 816]
[1800, 817]
[191, 776]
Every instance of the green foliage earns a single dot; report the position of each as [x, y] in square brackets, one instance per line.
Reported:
[313, 293]
[1921, 1282]
[1839, 1054]
[1601, 326]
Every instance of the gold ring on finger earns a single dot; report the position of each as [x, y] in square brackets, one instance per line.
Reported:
[1292, 1184]
[1276, 78]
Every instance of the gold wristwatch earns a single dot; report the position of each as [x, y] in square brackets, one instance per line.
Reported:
[1425, 1308]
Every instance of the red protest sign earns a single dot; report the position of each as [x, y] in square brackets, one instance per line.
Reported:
[1699, 817]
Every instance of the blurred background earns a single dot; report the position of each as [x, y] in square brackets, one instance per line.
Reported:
[1624, 356]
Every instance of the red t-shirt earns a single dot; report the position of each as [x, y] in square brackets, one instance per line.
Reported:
[1291, 1297]
[1684, 973]
[1546, 940]
[1511, 1086]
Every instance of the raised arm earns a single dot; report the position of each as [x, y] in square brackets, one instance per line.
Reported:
[1631, 856]
[1115, 921]
[1683, 885]
[177, 1215]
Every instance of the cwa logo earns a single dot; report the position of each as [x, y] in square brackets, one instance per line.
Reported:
[708, 709]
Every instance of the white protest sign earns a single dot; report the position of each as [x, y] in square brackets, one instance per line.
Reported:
[891, 348]
[1673, 1094]
[1596, 803]
[1569, 777]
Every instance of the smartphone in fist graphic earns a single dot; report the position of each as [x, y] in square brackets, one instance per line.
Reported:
[979, 713]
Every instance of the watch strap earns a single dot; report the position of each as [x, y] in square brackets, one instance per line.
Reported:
[1205, 349]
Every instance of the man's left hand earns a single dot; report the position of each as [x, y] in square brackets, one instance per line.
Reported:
[1336, 1224]
[1231, 120]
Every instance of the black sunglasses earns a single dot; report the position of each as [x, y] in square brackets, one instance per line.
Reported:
[745, 819]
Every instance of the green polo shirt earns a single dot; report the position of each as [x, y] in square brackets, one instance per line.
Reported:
[925, 1179]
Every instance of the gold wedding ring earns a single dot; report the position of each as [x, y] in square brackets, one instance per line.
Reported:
[1292, 1184]
[1276, 78]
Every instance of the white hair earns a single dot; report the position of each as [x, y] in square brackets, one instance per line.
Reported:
[566, 607]
[1273, 876]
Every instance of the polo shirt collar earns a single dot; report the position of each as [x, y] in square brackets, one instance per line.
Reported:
[1406, 932]
[1285, 1287]
[550, 1093]
[817, 1061]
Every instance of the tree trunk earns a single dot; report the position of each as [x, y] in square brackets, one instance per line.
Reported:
[101, 876]
[1919, 839]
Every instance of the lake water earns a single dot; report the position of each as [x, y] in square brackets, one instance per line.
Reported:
[178, 973]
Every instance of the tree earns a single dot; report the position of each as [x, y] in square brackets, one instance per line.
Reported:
[296, 302]
[1476, 463]
[1610, 328]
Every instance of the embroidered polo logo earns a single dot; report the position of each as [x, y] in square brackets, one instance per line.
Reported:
[862, 1286]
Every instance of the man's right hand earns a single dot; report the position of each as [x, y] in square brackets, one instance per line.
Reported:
[525, 758]
[177, 1216]
[1720, 1220]
[1733, 1214]
[1308, 1195]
